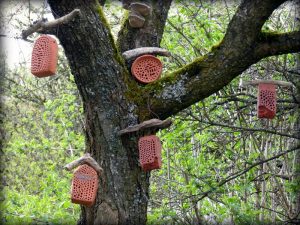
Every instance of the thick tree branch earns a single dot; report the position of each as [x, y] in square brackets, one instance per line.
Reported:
[247, 22]
[42, 26]
[276, 44]
[209, 74]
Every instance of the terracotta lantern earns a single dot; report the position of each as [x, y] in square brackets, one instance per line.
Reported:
[146, 68]
[84, 185]
[44, 56]
[266, 101]
[150, 152]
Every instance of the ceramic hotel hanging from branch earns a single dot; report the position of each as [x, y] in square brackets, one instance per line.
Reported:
[150, 152]
[149, 145]
[266, 101]
[84, 185]
[44, 56]
[267, 96]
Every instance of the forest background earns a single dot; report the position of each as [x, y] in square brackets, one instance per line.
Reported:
[221, 164]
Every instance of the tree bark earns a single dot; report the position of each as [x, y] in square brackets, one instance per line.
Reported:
[102, 79]
[113, 100]
[151, 33]
[99, 73]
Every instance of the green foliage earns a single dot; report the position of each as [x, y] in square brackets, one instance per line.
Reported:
[41, 140]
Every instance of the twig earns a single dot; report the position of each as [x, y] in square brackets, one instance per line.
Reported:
[149, 124]
[253, 129]
[272, 210]
[238, 174]
[134, 53]
[179, 31]
[85, 159]
[7, 36]
[41, 25]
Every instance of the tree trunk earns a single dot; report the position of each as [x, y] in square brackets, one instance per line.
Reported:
[113, 100]
[102, 79]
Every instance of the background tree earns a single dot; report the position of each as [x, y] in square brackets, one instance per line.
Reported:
[113, 100]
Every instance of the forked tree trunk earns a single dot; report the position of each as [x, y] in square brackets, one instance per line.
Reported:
[102, 79]
[113, 100]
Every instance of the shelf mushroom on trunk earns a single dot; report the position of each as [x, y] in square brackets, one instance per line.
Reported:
[137, 12]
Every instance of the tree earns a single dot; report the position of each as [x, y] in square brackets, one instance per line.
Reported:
[113, 100]
[297, 125]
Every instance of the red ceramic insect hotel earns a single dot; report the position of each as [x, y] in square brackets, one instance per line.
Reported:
[146, 68]
[44, 56]
[266, 100]
[150, 152]
[84, 185]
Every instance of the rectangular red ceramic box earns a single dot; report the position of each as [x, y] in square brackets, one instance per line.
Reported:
[150, 152]
[266, 101]
[44, 56]
[84, 186]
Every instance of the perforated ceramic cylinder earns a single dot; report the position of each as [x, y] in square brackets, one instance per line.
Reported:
[84, 186]
[150, 152]
[146, 68]
[266, 101]
[44, 56]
